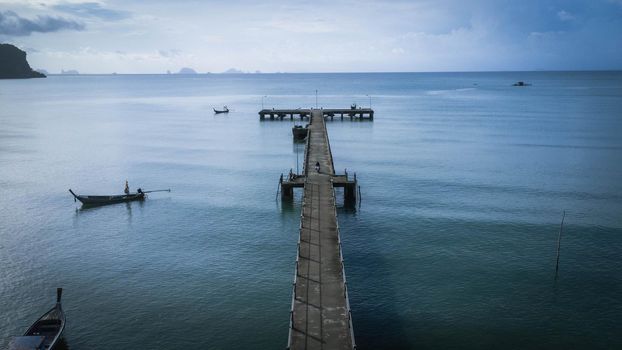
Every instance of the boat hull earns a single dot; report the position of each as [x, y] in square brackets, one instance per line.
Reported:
[45, 333]
[50, 327]
[103, 200]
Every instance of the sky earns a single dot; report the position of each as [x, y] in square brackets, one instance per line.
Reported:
[155, 36]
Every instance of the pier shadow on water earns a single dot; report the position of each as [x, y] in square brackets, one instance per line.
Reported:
[377, 320]
[287, 206]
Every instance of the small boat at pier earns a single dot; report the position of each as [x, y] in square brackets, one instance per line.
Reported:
[300, 133]
[46, 332]
[223, 110]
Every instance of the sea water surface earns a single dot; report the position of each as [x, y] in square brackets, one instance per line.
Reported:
[463, 177]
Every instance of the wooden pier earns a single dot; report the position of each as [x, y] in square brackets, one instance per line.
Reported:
[349, 184]
[302, 114]
[320, 316]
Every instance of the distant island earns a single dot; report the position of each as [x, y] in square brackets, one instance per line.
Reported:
[191, 71]
[233, 71]
[69, 72]
[187, 70]
[13, 64]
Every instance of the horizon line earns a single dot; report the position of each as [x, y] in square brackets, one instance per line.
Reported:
[370, 72]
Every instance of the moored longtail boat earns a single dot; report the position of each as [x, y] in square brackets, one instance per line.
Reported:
[102, 200]
[46, 332]
[224, 109]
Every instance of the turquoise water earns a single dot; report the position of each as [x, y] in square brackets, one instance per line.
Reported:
[463, 178]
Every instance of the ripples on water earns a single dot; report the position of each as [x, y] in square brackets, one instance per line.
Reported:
[463, 177]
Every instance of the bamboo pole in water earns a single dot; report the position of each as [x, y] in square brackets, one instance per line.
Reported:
[359, 190]
[278, 189]
[559, 242]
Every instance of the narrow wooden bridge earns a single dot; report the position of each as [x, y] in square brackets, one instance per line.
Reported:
[320, 311]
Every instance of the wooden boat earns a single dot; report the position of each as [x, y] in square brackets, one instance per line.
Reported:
[521, 83]
[102, 200]
[223, 110]
[45, 333]
[299, 132]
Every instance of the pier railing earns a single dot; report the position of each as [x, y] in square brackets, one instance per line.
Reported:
[330, 152]
[305, 165]
[297, 267]
[343, 273]
[291, 310]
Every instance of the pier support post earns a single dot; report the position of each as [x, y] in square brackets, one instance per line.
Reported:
[287, 192]
[349, 194]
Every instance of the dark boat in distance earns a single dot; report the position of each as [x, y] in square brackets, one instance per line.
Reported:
[223, 110]
[103, 200]
[521, 83]
[45, 333]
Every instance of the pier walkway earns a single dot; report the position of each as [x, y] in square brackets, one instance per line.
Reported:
[320, 311]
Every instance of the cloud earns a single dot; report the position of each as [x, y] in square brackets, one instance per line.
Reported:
[398, 51]
[312, 26]
[92, 9]
[12, 24]
[565, 16]
[404, 35]
[169, 53]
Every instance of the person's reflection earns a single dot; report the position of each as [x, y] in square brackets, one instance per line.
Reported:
[128, 205]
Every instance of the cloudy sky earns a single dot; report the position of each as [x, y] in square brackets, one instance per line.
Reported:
[131, 36]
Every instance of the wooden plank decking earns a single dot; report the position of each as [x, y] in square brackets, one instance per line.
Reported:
[320, 315]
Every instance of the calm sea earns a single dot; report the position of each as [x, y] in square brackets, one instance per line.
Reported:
[464, 180]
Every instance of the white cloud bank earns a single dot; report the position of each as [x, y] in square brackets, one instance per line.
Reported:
[420, 35]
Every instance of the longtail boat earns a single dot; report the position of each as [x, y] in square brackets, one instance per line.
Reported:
[521, 83]
[46, 332]
[223, 110]
[102, 200]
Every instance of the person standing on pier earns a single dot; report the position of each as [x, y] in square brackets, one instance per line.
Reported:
[127, 188]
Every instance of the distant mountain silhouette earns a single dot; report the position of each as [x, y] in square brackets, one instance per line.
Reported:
[13, 64]
[187, 70]
[233, 71]
[42, 71]
[69, 72]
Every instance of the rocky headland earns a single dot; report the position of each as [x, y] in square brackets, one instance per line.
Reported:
[13, 64]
